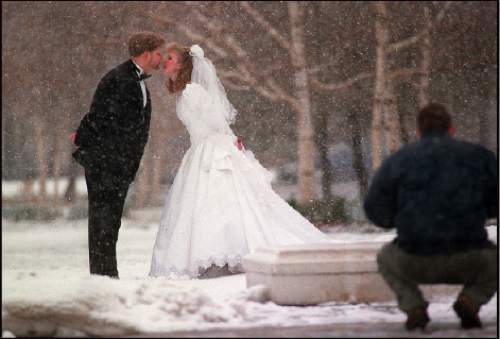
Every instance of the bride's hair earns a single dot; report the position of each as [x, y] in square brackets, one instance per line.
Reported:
[184, 75]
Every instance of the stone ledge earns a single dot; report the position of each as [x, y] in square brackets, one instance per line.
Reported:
[319, 273]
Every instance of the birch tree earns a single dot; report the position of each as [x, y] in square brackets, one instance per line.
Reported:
[384, 103]
[425, 65]
[379, 93]
[306, 147]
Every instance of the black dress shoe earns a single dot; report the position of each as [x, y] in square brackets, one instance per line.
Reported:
[468, 312]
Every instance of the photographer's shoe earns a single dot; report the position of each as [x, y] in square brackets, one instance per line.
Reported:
[468, 312]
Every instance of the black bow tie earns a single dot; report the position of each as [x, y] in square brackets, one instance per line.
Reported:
[144, 76]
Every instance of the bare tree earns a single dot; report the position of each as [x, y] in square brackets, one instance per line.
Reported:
[392, 118]
[384, 98]
[321, 139]
[41, 155]
[143, 182]
[379, 95]
[306, 147]
[425, 65]
[358, 163]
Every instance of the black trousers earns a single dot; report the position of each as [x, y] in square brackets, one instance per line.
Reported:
[475, 269]
[106, 195]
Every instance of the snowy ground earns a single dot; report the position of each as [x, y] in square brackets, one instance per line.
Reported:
[12, 188]
[46, 291]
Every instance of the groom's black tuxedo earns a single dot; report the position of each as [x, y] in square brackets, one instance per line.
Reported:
[111, 140]
[112, 136]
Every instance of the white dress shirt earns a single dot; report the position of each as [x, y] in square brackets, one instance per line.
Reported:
[143, 86]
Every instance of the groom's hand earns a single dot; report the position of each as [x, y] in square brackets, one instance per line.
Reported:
[72, 136]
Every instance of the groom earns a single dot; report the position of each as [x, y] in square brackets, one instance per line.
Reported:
[111, 140]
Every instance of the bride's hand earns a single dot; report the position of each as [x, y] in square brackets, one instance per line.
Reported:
[239, 143]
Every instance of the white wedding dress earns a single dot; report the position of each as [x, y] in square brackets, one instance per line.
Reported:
[221, 205]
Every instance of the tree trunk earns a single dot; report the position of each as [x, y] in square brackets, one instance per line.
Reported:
[4, 137]
[142, 188]
[381, 35]
[156, 177]
[159, 153]
[57, 168]
[392, 117]
[27, 190]
[70, 193]
[488, 121]
[357, 152]
[405, 135]
[306, 147]
[41, 146]
[322, 145]
[425, 66]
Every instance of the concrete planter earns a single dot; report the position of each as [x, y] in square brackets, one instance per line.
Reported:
[313, 274]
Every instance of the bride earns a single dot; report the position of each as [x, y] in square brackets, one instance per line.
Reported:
[221, 205]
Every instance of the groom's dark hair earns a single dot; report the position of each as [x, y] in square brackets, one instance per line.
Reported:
[141, 42]
[184, 75]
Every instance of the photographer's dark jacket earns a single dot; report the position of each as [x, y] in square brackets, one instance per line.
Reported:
[438, 193]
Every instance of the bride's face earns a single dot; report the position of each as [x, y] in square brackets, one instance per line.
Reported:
[172, 65]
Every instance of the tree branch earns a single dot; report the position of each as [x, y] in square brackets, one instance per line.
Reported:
[403, 73]
[393, 47]
[235, 46]
[280, 39]
[396, 74]
[228, 77]
[248, 75]
[185, 29]
[283, 94]
[340, 85]
[321, 67]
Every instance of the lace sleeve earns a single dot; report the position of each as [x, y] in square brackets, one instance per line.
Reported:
[197, 105]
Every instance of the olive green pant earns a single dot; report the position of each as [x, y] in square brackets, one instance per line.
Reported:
[476, 269]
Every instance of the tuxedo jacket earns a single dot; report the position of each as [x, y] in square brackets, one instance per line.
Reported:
[112, 135]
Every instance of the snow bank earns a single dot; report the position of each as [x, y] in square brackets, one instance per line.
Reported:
[99, 306]
[102, 306]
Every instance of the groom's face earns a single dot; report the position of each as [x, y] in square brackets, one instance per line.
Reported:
[155, 58]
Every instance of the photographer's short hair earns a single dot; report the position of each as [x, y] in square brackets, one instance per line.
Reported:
[433, 117]
[144, 42]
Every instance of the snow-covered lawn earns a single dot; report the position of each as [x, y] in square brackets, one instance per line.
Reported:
[46, 290]
[12, 188]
